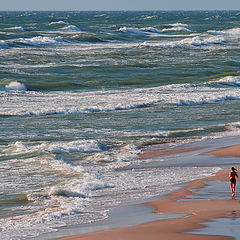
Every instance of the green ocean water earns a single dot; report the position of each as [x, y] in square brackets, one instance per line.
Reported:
[82, 92]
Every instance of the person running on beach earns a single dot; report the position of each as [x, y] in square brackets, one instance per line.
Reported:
[232, 178]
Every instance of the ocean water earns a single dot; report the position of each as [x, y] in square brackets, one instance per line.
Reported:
[82, 92]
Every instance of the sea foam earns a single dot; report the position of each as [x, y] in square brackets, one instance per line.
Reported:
[71, 28]
[17, 86]
[230, 80]
[58, 23]
[49, 103]
[233, 32]
[18, 28]
[178, 25]
[39, 40]
[176, 29]
[132, 31]
[81, 146]
[209, 100]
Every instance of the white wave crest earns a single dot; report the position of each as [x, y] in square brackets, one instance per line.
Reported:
[58, 23]
[201, 41]
[84, 146]
[4, 45]
[62, 200]
[233, 32]
[81, 146]
[208, 100]
[79, 188]
[132, 31]
[230, 80]
[178, 25]
[149, 17]
[37, 40]
[17, 86]
[18, 28]
[103, 101]
[176, 29]
[197, 41]
[71, 28]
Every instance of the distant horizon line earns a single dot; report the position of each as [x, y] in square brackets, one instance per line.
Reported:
[159, 10]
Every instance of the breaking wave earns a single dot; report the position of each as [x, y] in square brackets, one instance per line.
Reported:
[176, 29]
[4, 45]
[17, 86]
[58, 23]
[135, 31]
[233, 81]
[178, 25]
[18, 28]
[198, 41]
[39, 40]
[107, 101]
[207, 100]
[71, 28]
[81, 146]
[235, 32]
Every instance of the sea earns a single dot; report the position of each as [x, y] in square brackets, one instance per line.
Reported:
[82, 93]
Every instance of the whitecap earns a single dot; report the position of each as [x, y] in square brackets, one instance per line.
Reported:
[81, 146]
[233, 81]
[18, 28]
[176, 29]
[178, 25]
[71, 28]
[199, 41]
[149, 17]
[58, 23]
[233, 32]
[208, 100]
[132, 31]
[17, 86]
[39, 40]
[196, 41]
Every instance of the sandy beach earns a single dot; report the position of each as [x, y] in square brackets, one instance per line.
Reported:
[180, 202]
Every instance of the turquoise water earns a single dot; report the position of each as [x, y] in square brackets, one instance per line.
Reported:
[82, 92]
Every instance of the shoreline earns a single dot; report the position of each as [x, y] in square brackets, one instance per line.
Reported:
[197, 211]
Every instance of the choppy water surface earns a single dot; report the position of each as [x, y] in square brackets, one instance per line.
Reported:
[80, 92]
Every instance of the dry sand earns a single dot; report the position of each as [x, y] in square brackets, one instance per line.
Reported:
[196, 212]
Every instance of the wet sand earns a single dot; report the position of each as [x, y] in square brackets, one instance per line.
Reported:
[197, 211]
[232, 151]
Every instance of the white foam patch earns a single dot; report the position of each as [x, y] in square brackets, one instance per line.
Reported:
[17, 86]
[18, 28]
[230, 80]
[149, 17]
[196, 41]
[176, 29]
[81, 146]
[135, 31]
[45, 103]
[39, 40]
[207, 100]
[71, 28]
[178, 25]
[58, 23]
[62, 200]
[233, 32]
